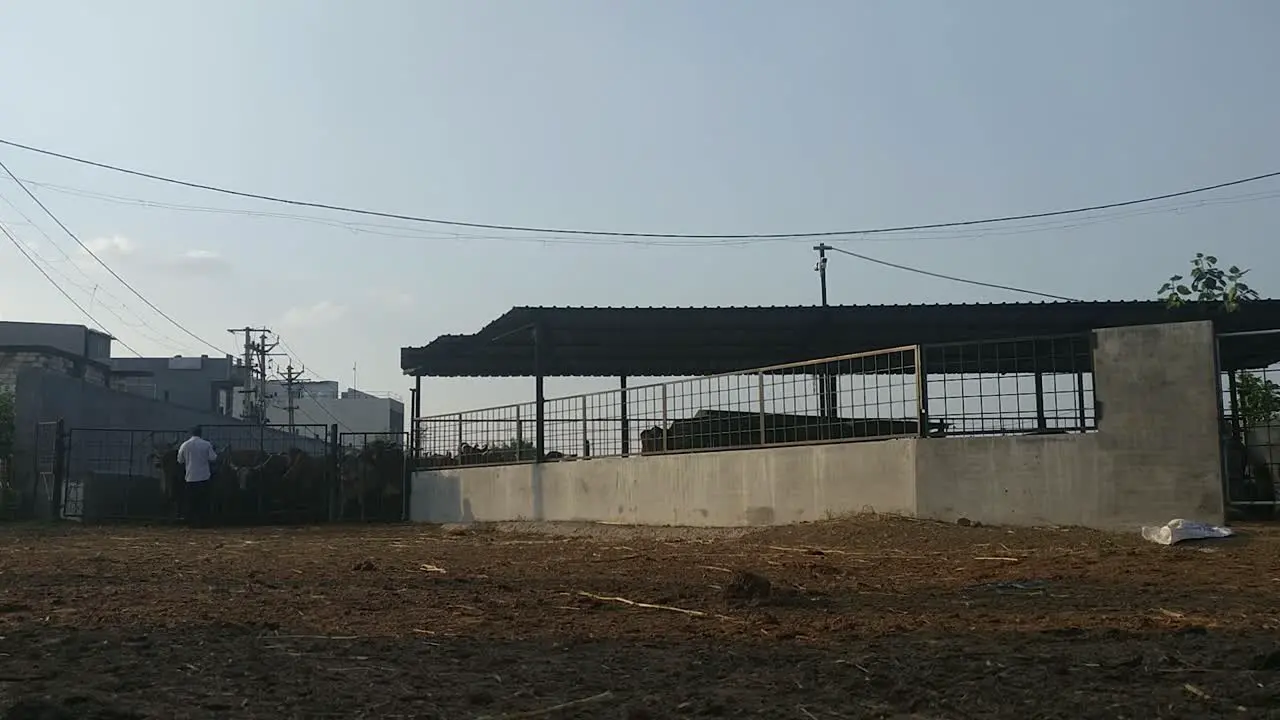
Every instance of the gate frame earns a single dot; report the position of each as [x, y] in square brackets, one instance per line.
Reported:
[50, 465]
[255, 433]
[1235, 431]
[406, 471]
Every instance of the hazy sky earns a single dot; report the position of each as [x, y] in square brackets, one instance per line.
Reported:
[687, 116]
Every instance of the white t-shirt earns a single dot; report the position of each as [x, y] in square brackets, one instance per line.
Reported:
[197, 456]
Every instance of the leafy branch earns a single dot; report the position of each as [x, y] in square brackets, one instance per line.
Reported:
[1208, 283]
[1257, 398]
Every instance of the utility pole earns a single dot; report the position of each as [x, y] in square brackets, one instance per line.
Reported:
[821, 268]
[827, 396]
[291, 378]
[254, 397]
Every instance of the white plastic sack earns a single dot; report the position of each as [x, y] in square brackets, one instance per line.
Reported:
[1175, 531]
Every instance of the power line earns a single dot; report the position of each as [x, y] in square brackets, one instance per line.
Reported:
[619, 234]
[159, 338]
[401, 231]
[105, 266]
[18, 244]
[952, 278]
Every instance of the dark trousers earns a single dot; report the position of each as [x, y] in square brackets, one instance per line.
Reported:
[197, 503]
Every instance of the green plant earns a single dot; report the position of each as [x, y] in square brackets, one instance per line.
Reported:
[1208, 283]
[1257, 398]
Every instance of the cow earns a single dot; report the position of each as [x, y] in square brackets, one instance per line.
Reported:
[173, 478]
[302, 487]
[224, 483]
[374, 474]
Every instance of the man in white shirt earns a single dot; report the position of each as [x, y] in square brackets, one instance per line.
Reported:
[197, 457]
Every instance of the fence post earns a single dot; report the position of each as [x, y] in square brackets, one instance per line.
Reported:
[586, 438]
[335, 459]
[1084, 421]
[922, 393]
[760, 399]
[61, 446]
[519, 436]
[626, 422]
[663, 427]
[459, 446]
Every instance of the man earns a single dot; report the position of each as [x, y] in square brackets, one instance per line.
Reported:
[197, 456]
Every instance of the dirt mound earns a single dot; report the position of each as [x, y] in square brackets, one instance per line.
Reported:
[748, 586]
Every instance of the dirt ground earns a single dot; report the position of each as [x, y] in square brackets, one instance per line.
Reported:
[863, 618]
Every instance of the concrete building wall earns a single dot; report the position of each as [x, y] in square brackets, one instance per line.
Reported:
[74, 339]
[199, 383]
[13, 363]
[1156, 456]
[353, 411]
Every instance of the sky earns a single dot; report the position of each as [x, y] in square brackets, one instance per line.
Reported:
[675, 116]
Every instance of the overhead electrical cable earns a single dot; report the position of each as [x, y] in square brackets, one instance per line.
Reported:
[952, 278]
[21, 249]
[621, 234]
[403, 231]
[105, 266]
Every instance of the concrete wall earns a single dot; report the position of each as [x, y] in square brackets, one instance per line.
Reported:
[744, 487]
[1156, 456]
[200, 383]
[73, 339]
[13, 363]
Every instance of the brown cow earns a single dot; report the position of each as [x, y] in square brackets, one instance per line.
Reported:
[373, 475]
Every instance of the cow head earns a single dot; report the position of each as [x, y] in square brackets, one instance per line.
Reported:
[164, 460]
[244, 464]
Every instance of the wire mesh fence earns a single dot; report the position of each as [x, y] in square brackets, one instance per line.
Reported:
[8, 490]
[851, 397]
[373, 473]
[1029, 385]
[1251, 437]
[261, 474]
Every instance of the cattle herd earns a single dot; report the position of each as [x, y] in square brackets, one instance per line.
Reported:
[252, 485]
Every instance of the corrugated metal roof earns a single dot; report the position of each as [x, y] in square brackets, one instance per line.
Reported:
[674, 340]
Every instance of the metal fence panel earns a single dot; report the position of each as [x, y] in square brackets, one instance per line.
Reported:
[862, 396]
[1251, 432]
[374, 473]
[263, 475]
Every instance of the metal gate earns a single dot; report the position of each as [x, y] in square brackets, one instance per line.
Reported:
[373, 476]
[51, 495]
[1250, 385]
[264, 475]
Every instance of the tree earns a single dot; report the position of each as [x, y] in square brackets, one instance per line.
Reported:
[1257, 398]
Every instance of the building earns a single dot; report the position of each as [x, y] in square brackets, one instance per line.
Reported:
[320, 403]
[72, 350]
[209, 384]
